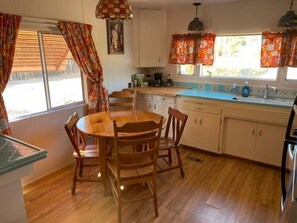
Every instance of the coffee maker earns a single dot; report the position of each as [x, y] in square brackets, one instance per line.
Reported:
[157, 79]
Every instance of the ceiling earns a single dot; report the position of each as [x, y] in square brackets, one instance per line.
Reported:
[171, 3]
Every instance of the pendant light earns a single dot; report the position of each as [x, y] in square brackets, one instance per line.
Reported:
[114, 10]
[288, 20]
[196, 24]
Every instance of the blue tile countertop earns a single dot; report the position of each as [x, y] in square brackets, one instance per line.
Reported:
[15, 154]
[236, 99]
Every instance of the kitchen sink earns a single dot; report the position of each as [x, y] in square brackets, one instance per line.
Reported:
[261, 100]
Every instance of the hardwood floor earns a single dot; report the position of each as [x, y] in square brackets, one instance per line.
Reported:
[216, 189]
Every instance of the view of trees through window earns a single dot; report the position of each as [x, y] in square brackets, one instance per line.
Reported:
[238, 57]
[44, 75]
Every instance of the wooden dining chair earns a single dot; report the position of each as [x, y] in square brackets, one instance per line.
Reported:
[173, 132]
[134, 162]
[85, 155]
[122, 100]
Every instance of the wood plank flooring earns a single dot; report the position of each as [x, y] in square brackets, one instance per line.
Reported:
[216, 189]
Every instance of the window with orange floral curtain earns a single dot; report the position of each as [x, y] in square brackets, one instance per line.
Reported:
[192, 49]
[80, 42]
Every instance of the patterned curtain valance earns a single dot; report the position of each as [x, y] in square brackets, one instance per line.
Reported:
[192, 48]
[279, 49]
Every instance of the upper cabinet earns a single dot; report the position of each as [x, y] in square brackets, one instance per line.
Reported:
[149, 32]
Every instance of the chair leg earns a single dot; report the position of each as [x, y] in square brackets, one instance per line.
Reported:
[75, 176]
[180, 164]
[154, 184]
[119, 207]
[81, 165]
[169, 156]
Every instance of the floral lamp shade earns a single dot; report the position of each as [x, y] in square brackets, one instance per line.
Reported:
[114, 10]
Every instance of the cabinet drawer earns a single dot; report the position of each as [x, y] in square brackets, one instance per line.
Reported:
[164, 99]
[212, 109]
[194, 104]
[190, 106]
[144, 97]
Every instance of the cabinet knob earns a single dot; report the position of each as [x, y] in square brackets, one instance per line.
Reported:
[253, 132]
[195, 121]
[260, 132]
[200, 121]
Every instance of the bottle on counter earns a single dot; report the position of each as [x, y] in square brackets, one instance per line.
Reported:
[168, 81]
[234, 89]
[246, 90]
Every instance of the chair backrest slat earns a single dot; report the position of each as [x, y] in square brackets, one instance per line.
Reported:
[74, 135]
[136, 144]
[122, 100]
[176, 123]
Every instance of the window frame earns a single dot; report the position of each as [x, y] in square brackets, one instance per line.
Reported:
[280, 80]
[45, 78]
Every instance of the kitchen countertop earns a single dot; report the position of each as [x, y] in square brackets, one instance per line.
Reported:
[164, 91]
[183, 91]
[15, 154]
[236, 98]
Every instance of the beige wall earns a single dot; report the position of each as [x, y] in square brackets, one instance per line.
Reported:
[46, 131]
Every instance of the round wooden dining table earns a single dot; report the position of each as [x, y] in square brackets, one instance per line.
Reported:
[100, 125]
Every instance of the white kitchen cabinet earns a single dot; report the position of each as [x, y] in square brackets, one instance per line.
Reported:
[149, 31]
[155, 103]
[254, 140]
[162, 103]
[202, 129]
[269, 144]
[144, 102]
[240, 138]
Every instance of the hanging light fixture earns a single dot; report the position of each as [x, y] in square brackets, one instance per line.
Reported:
[196, 24]
[114, 10]
[288, 20]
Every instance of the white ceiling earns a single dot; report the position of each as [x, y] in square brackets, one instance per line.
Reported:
[171, 3]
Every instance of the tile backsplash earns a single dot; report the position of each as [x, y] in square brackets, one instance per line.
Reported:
[254, 91]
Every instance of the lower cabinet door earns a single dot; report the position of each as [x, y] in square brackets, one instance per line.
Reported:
[269, 145]
[209, 134]
[202, 131]
[190, 135]
[144, 105]
[240, 138]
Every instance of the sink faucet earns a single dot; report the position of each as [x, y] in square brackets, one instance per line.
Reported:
[266, 90]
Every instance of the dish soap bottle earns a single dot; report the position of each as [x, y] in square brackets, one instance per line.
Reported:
[245, 90]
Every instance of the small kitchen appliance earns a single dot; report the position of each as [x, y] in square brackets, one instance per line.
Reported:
[157, 79]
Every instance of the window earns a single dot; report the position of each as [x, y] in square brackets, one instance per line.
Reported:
[291, 73]
[238, 57]
[186, 69]
[44, 75]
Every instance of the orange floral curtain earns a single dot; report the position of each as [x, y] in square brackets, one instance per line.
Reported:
[270, 50]
[9, 28]
[80, 42]
[192, 49]
[279, 49]
[206, 50]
